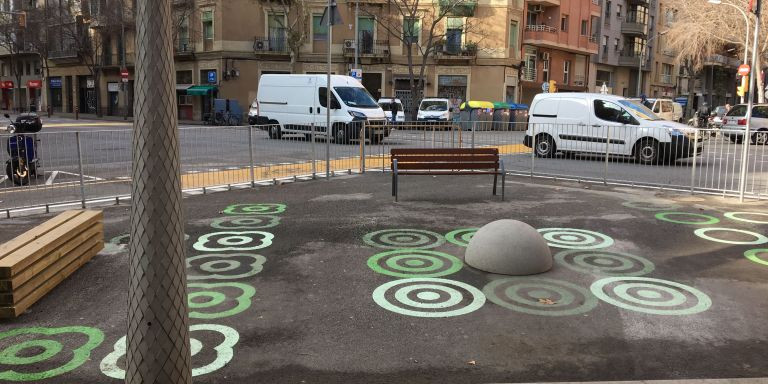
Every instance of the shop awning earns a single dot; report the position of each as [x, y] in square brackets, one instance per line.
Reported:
[200, 90]
[184, 87]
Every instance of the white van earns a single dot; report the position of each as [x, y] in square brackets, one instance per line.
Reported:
[434, 109]
[596, 123]
[386, 105]
[292, 104]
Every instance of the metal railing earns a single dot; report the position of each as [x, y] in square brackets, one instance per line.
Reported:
[367, 47]
[77, 168]
[540, 28]
[529, 74]
[665, 79]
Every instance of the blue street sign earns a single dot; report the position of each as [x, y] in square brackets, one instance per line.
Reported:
[55, 82]
[212, 77]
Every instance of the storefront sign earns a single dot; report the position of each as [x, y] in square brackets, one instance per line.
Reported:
[113, 87]
[212, 77]
[34, 84]
[89, 83]
[7, 85]
[55, 82]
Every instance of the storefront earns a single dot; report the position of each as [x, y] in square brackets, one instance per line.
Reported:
[452, 86]
[205, 95]
[56, 101]
[34, 88]
[7, 94]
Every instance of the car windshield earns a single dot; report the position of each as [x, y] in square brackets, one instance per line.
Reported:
[356, 97]
[738, 110]
[434, 105]
[386, 104]
[640, 110]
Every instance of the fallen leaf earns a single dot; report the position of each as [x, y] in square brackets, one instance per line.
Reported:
[472, 362]
[547, 301]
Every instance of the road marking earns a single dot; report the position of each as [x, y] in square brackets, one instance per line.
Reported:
[3, 178]
[72, 125]
[52, 177]
[84, 176]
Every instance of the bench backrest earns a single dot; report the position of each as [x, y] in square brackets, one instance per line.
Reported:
[446, 158]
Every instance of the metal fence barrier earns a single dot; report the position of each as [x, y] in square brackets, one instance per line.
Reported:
[94, 165]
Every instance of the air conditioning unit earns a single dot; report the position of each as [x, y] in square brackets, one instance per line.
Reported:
[536, 8]
[349, 44]
[261, 45]
[544, 56]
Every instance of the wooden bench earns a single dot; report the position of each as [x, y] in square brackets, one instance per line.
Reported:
[447, 161]
[35, 262]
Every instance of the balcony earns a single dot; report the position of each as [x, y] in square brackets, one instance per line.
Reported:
[367, 48]
[458, 8]
[550, 37]
[529, 74]
[116, 61]
[184, 48]
[64, 56]
[275, 46]
[455, 52]
[630, 27]
[578, 80]
[722, 61]
[545, 3]
[630, 60]
[665, 79]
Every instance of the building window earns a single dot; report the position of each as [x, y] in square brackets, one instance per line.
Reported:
[584, 28]
[513, 35]
[208, 25]
[618, 10]
[566, 72]
[616, 44]
[319, 29]
[604, 77]
[411, 30]
[184, 77]
[605, 44]
[183, 33]
[545, 70]
[454, 34]
[564, 23]
[607, 10]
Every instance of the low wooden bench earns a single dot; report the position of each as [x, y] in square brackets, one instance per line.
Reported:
[35, 262]
[447, 161]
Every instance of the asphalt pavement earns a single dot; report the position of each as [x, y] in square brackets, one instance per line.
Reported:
[636, 292]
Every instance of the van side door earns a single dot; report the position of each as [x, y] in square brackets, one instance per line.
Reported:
[574, 131]
[611, 120]
[320, 118]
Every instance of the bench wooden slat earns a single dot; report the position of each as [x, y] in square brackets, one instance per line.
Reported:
[447, 151]
[22, 258]
[437, 158]
[67, 251]
[465, 166]
[20, 307]
[27, 237]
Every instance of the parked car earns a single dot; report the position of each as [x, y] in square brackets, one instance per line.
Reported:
[666, 109]
[598, 123]
[735, 123]
[434, 109]
[386, 103]
[293, 104]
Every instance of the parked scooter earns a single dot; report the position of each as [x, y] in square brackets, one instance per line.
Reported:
[22, 165]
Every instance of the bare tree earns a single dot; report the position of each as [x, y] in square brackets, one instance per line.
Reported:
[182, 31]
[294, 23]
[12, 40]
[37, 37]
[419, 27]
[700, 30]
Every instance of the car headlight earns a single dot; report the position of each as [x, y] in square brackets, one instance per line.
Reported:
[358, 115]
[11, 128]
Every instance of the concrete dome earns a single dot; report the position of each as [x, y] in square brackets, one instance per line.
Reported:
[509, 247]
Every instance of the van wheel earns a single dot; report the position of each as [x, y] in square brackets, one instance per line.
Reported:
[340, 134]
[735, 139]
[274, 130]
[760, 138]
[647, 151]
[545, 146]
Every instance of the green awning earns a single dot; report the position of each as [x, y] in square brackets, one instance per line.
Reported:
[200, 90]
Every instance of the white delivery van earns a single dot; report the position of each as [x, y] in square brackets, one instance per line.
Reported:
[293, 104]
[597, 123]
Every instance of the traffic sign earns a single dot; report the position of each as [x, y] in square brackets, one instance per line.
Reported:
[124, 73]
[212, 77]
[545, 86]
[744, 70]
[356, 73]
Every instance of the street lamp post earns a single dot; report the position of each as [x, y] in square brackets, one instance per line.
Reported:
[642, 58]
[746, 29]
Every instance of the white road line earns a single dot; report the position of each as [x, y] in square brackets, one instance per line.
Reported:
[51, 178]
[94, 178]
[3, 178]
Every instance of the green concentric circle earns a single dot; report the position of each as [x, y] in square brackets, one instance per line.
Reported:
[539, 296]
[428, 297]
[247, 222]
[759, 238]
[735, 216]
[651, 296]
[604, 263]
[709, 220]
[213, 299]
[754, 255]
[649, 206]
[414, 263]
[404, 239]
[13, 355]
[572, 238]
[461, 237]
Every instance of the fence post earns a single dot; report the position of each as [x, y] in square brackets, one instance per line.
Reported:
[327, 151]
[362, 146]
[250, 155]
[607, 154]
[80, 167]
[533, 147]
[474, 123]
[314, 154]
[695, 154]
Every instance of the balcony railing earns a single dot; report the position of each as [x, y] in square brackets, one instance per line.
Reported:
[63, 54]
[529, 74]
[455, 51]
[184, 47]
[116, 60]
[578, 80]
[271, 45]
[374, 48]
[665, 78]
[540, 28]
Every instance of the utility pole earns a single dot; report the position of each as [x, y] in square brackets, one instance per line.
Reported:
[158, 347]
[750, 103]
[357, 32]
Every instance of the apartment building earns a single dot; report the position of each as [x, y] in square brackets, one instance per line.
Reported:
[559, 39]
[20, 66]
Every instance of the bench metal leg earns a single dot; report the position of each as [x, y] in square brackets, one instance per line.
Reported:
[394, 178]
[495, 178]
[503, 179]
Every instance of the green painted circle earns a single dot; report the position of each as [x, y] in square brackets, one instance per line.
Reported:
[522, 294]
[454, 296]
[234, 240]
[759, 238]
[251, 222]
[475, 297]
[664, 216]
[215, 298]
[649, 294]
[211, 267]
[619, 295]
[753, 255]
[254, 209]
[402, 263]
[604, 263]
[571, 238]
[735, 216]
[646, 206]
[461, 237]
[404, 238]
[10, 355]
